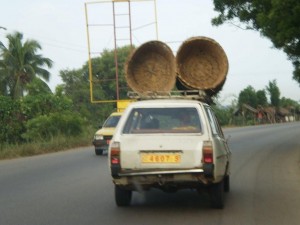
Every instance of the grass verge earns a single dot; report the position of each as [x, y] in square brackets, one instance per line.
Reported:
[55, 144]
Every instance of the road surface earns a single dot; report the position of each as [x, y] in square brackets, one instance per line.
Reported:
[74, 187]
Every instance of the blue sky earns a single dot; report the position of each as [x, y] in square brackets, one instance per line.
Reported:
[60, 27]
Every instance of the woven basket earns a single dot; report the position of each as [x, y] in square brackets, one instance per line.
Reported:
[151, 67]
[201, 64]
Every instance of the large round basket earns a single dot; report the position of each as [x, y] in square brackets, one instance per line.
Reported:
[151, 67]
[201, 64]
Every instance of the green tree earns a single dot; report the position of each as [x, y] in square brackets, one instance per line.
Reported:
[77, 88]
[20, 64]
[37, 86]
[261, 98]
[278, 20]
[274, 93]
[248, 96]
[287, 102]
[43, 104]
[104, 73]
[48, 115]
[3, 88]
[76, 85]
[292, 105]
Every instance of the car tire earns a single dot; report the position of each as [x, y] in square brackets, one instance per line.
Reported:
[217, 195]
[98, 151]
[122, 196]
[227, 184]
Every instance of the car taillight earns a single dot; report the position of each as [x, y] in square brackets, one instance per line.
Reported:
[115, 153]
[207, 151]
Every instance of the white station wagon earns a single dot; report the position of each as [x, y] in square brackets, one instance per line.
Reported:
[170, 145]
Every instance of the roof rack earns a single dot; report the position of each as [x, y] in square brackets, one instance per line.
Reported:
[185, 94]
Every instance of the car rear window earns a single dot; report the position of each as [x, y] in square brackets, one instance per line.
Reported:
[163, 120]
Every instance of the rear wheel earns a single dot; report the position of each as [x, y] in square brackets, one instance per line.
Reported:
[217, 195]
[122, 196]
[98, 151]
[226, 183]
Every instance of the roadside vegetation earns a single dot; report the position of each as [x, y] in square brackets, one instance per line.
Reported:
[35, 120]
[279, 21]
[55, 144]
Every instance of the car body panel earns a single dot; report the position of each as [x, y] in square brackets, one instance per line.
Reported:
[103, 136]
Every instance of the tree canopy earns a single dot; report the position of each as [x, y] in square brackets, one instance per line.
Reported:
[20, 64]
[104, 73]
[274, 93]
[28, 108]
[278, 20]
[248, 96]
[76, 85]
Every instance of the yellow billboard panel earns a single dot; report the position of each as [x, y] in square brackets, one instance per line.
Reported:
[122, 105]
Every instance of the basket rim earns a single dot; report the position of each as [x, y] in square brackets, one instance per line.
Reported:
[221, 59]
[160, 48]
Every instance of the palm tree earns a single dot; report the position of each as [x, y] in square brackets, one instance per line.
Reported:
[20, 65]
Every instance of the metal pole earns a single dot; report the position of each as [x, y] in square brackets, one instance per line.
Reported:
[130, 29]
[116, 54]
[156, 26]
[89, 54]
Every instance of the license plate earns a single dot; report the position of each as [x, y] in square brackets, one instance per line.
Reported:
[160, 158]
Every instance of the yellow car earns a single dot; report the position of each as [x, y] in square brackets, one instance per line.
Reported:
[103, 136]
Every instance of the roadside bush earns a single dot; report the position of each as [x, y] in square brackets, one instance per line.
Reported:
[11, 120]
[45, 127]
[44, 104]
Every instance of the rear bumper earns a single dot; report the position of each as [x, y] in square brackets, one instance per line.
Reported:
[177, 179]
[144, 173]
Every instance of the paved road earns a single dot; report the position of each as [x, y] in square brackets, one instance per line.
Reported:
[74, 187]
